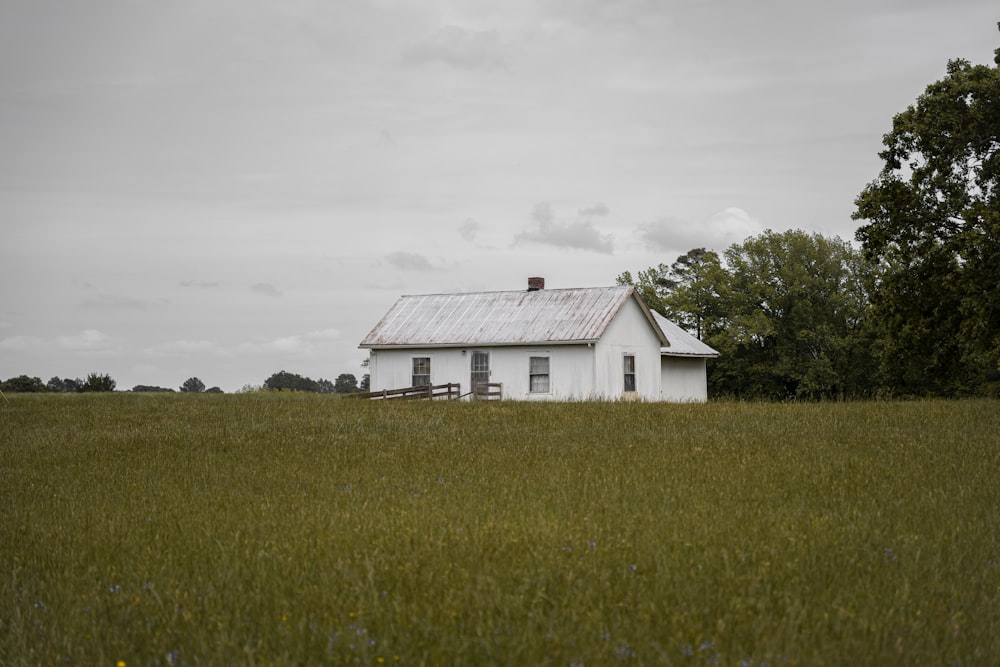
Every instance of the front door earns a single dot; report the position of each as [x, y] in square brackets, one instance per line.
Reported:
[480, 371]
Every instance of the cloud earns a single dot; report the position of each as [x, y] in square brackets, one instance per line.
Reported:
[113, 302]
[597, 209]
[717, 232]
[19, 343]
[579, 234]
[459, 47]
[469, 229]
[663, 234]
[201, 284]
[734, 223]
[303, 346]
[182, 348]
[88, 340]
[409, 261]
[265, 289]
[296, 345]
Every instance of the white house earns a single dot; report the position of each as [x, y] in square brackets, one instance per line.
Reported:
[560, 344]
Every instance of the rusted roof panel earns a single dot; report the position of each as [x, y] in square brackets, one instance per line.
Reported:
[499, 318]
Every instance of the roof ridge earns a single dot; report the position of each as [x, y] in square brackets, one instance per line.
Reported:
[520, 291]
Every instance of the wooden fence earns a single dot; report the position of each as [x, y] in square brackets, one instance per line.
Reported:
[488, 391]
[449, 391]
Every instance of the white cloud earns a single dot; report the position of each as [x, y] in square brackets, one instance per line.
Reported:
[733, 223]
[114, 302]
[717, 232]
[88, 340]
[597, 209]
[265, 289]
[182, 348]
[19, 343]
[459, 47]
[296, 346]
[201, 284]
[409, 261]
[469, 229]
[578, 234]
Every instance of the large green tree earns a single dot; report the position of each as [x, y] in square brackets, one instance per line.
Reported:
[795, 319]
[787, 311]
[932, 218]
[687, 291]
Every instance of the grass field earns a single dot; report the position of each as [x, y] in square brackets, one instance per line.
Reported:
[279, 529]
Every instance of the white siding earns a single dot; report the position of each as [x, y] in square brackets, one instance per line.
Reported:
[571, 369]
[392, 369]
[571, 372]
[684, 380]
[628, 333]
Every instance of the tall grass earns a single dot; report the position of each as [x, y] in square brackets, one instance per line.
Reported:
[299, 529]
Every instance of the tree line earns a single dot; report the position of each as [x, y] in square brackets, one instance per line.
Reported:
[915, 311]
[345, 383]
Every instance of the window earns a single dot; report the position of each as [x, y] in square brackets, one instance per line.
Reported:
[421, 371]
[629, 366]
[538, 375]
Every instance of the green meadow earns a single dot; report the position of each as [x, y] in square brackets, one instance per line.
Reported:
[293, 529]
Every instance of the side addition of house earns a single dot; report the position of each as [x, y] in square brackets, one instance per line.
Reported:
[601, 343]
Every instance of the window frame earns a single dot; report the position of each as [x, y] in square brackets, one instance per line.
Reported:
[424, 364]
[628, 373]
[534, 373]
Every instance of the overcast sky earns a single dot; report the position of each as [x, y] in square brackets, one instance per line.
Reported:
[229, 188]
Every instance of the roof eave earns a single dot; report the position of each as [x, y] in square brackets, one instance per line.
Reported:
[667, 352]
[412, 346]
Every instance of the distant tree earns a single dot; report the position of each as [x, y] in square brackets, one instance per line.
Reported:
[932, 218]
[214, 390]
[346, 384]
[147, 388]
[283, 380]
[55, 384]
[23, 384]
[98, 382]
[193, 386]
[366, 379]
[325, 386]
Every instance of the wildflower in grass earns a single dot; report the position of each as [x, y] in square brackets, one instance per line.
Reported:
[625, 651]
[120, 663]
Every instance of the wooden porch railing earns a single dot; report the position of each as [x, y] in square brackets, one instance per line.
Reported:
[487, 391]
[449, 391]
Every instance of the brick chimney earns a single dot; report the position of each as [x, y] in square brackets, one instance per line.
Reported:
[536, 284]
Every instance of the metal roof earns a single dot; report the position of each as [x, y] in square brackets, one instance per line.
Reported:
[682, 344]
[549, 316]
